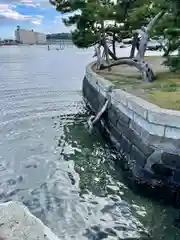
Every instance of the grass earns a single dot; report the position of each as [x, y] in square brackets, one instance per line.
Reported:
[164, 91]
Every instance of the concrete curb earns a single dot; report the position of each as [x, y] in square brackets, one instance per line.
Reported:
[17, 223]
[155, 120]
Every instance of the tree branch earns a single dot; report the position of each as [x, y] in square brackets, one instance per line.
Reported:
[145, 35]
[154, 21]
[142, 65]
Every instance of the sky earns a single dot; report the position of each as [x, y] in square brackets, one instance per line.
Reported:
[38, 15]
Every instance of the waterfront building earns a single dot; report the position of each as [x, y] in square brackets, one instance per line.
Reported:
[25, 36]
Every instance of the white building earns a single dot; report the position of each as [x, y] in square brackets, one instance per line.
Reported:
[25, 36]
[40, 37]
[29, 36]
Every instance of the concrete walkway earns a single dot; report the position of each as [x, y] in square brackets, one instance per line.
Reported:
[17, 223]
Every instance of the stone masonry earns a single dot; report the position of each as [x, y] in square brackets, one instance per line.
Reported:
[148, 133]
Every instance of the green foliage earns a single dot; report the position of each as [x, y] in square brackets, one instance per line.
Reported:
[84, 39]
[59, 36]
[173, 62]
[87, 17]
[169, 30]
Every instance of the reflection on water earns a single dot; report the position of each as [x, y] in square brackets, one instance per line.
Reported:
[48, 160]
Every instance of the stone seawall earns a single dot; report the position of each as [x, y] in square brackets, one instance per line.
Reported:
[149, 134]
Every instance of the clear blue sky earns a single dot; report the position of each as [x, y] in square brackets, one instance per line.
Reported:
[31, 14]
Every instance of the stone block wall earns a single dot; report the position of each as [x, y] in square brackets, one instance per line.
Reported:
[138, 127]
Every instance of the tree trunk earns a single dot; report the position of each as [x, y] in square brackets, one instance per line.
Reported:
[114, 45]
[134, 44]
[111, 54]
[114, 41]
[166, 49]
[98, 55]
[143, 44]
[137, 62]
[104, 42]
[145, 35]
[142, 65]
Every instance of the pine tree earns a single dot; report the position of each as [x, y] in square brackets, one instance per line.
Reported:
[90, 17]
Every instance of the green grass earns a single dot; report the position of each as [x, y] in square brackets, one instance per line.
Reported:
[164, 91]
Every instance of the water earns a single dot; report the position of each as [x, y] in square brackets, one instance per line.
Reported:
[48, 160]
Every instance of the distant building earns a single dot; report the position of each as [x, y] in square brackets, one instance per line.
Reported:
[25, 36]
[29, 36]
[40, 37]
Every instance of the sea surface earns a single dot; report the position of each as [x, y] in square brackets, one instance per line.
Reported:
[48, 160]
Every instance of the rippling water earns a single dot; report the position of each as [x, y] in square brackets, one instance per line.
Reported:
[49, 161]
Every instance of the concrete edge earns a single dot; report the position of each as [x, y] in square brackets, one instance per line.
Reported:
[17, 222]
[151, 113]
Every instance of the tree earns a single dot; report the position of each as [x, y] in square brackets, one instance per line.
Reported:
[171, 35]
[59, 36]
[89, 18]
[153, 12]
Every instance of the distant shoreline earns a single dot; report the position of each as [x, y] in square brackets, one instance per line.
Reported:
[37, 44]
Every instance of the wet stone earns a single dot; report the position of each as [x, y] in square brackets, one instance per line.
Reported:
[125, 144]
[171, 160]
[138, 156]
